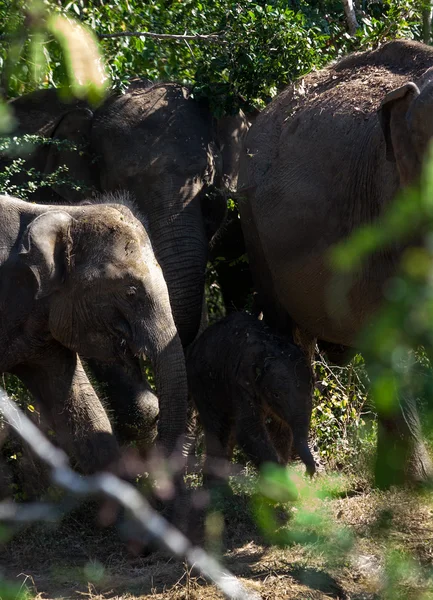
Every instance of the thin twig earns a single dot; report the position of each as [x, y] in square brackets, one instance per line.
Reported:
[210, 38]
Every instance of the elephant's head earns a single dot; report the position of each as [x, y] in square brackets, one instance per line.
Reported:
[406, 116]
[165, 148]
[106, 296]
[284, 383]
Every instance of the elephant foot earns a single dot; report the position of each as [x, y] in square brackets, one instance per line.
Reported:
[401, 462]
[420, 467]
[177, 509]
[402, 457]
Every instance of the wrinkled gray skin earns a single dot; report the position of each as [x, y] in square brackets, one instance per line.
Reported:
[325, 157]
[252, 387]
[163, 147]
[84, 281]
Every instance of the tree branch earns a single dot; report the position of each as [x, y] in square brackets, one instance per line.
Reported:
[211, 38]
[426, 14]
[349, 10]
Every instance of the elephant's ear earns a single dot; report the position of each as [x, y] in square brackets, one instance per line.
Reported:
[46, 249]
[393, 119]
[73, 130]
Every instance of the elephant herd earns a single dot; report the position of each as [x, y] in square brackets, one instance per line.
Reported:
[111, 268]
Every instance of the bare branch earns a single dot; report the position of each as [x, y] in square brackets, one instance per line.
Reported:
[349, 10]
[109, 486]
[211, 38]
[426, 13]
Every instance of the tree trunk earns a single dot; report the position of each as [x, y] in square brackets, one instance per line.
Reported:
[426, 21]
[349, 10]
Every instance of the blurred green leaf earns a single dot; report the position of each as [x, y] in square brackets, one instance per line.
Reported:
[84, 64]
[7, 121]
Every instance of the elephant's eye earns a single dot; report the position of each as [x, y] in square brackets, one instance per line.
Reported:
[131, 291]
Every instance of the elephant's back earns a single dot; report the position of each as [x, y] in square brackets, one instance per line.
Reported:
[357, 83]
[39, 111]
[314, 168]
[341, 99]
[322, 133]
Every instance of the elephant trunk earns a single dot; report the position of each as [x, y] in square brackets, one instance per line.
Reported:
[305, 455]
[181, 248]
[300, 443]
[163, 347]
[172, 392]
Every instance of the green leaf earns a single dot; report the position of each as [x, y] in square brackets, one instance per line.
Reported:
[85, 67]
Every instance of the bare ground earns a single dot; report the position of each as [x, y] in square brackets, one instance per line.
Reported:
[391, 556]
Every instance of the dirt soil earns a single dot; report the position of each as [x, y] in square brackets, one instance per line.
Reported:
[79, 559]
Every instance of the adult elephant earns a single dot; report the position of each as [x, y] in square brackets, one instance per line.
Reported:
[164, 147]
[324, 158]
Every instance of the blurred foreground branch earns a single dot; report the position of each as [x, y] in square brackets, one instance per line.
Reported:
[111, 487]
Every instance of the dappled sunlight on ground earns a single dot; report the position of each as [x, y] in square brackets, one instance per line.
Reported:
[387, 539]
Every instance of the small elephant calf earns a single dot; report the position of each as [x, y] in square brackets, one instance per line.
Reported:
[252, 387]
[83, 282]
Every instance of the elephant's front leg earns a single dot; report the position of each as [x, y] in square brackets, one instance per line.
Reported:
[251, 432]
[133, 404]
[401, 452]
[72, 407]
[281, 436]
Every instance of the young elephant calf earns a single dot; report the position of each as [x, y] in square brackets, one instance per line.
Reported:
[83, 281]
[252, 387]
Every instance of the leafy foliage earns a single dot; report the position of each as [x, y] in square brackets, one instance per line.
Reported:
[342, 425]
[30, 179]
[263, 45]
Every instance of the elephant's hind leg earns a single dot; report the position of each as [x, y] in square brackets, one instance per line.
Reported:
[217, 432]
[401, 451]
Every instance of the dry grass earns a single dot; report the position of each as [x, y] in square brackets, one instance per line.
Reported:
[81, 560]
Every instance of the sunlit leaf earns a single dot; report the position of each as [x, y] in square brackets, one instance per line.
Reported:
[85, 67]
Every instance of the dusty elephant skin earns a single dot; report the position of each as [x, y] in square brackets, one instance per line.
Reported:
[167, 150]
[252, 387]
[326, 156]
[84, 281]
